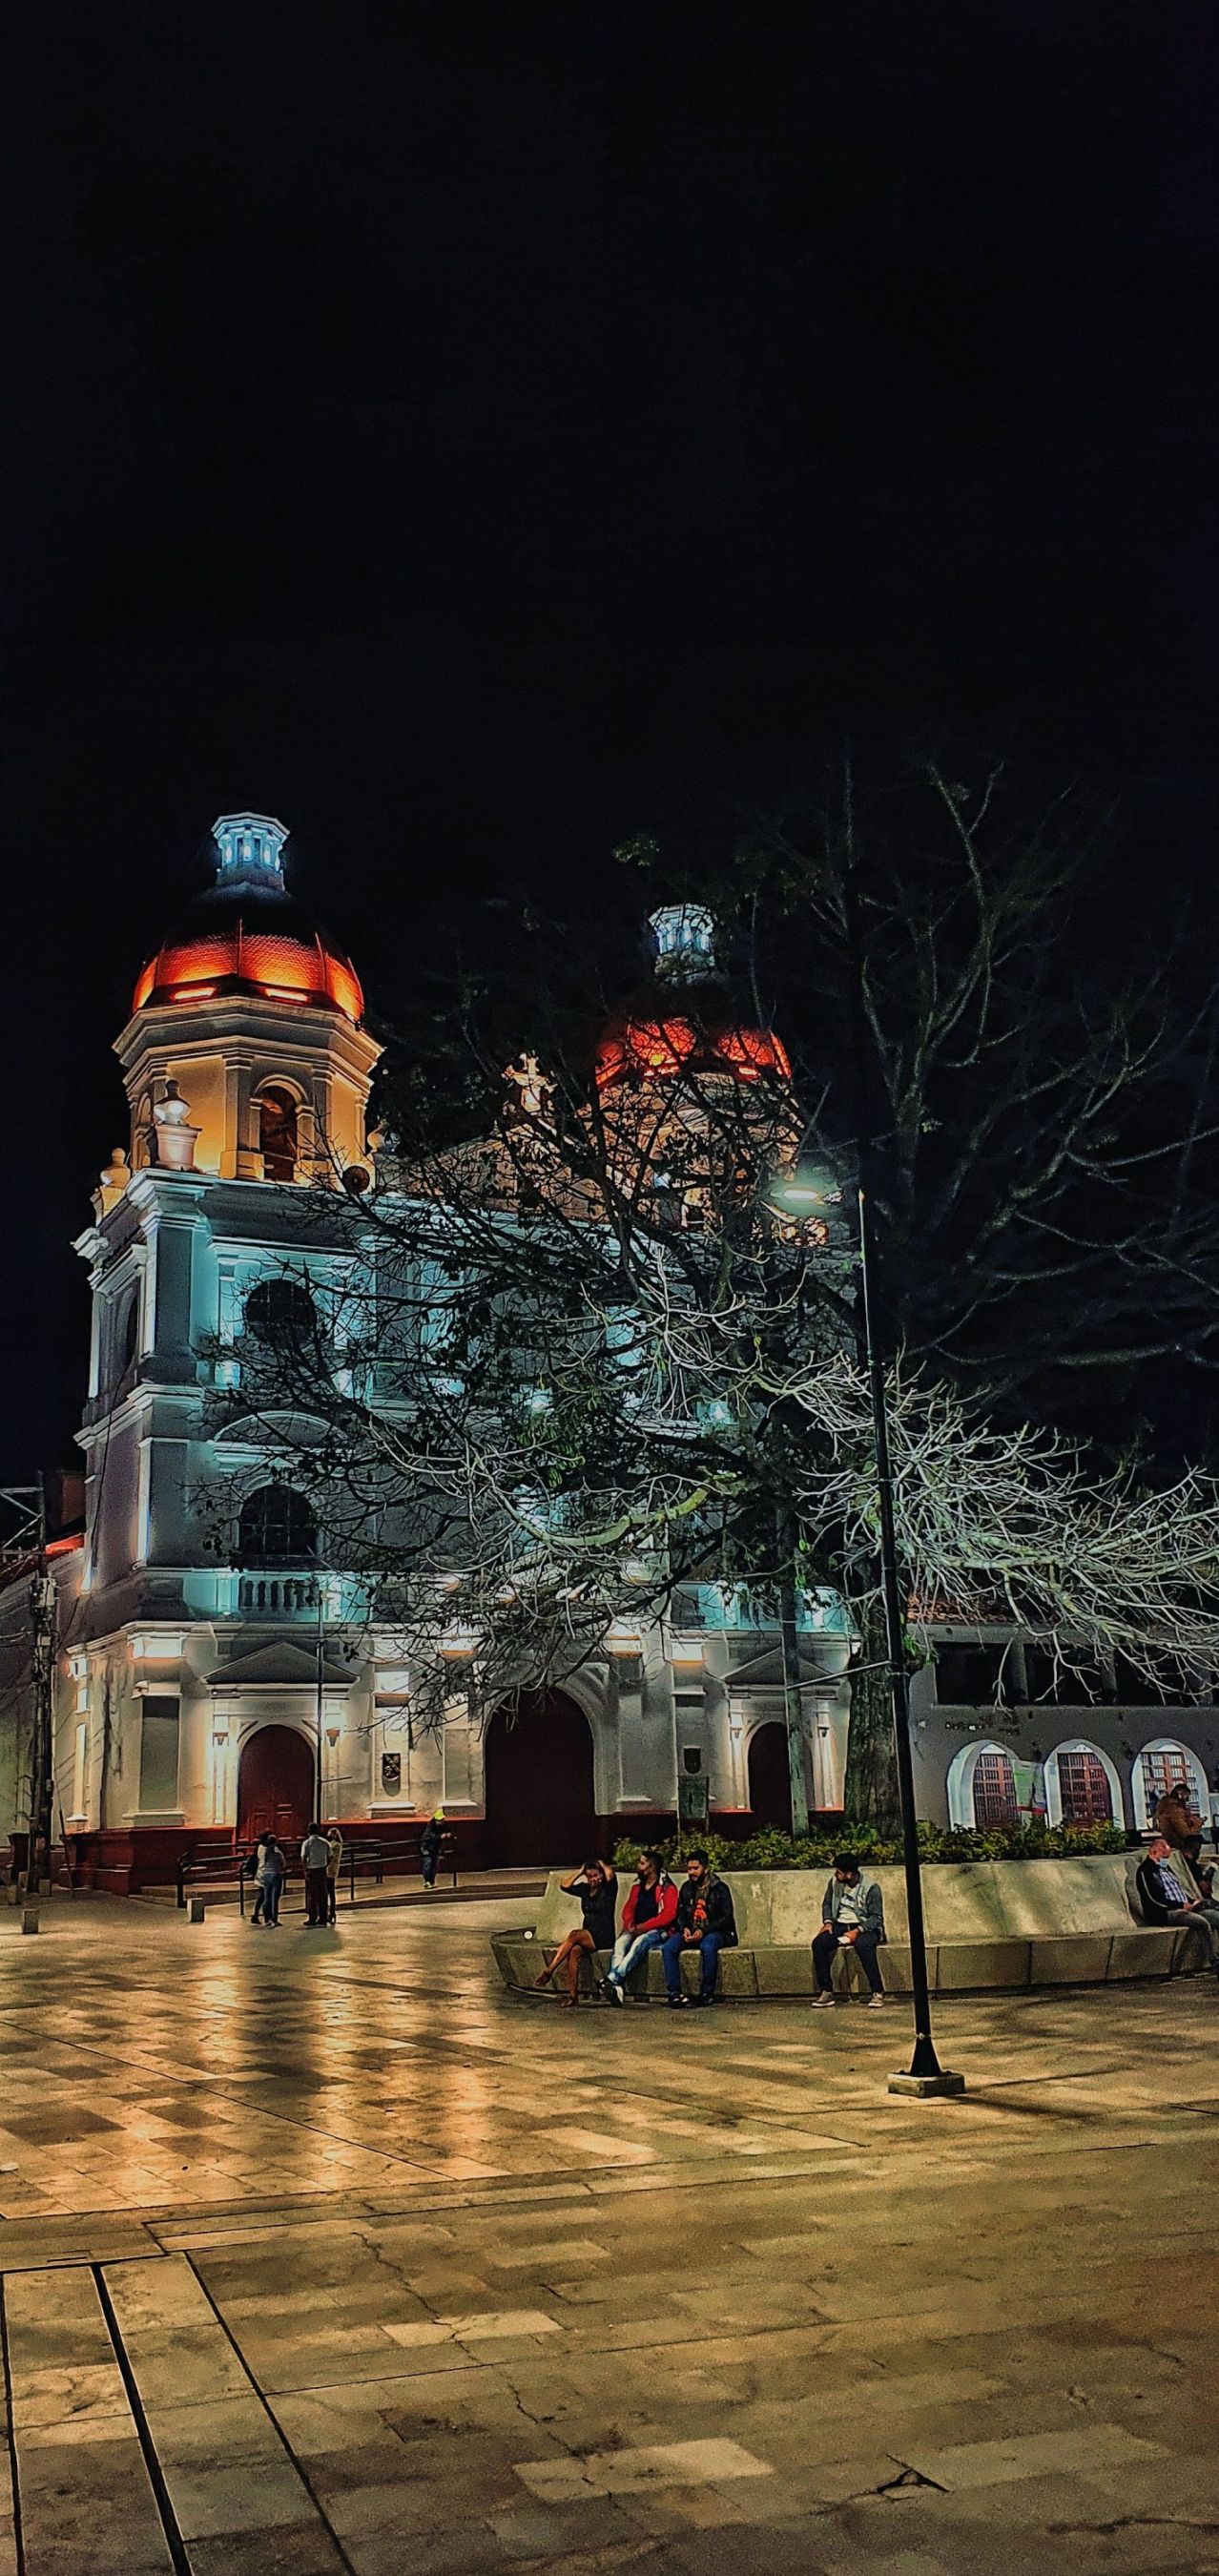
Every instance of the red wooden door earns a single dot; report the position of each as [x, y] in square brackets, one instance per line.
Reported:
[539, 1784]
[275, 1785]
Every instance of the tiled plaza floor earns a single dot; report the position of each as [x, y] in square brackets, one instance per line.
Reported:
[321, 2253]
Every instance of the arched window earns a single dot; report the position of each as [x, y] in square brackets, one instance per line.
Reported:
[128, 1331]
[281, 1312]
[120, 1337]
[277, 1134]
[1161, 1766]
[994, 1790]
[143, 1132]
[1081, 1787]
[277, 1527]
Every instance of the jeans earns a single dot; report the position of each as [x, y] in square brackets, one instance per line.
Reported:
[865, 1945]
[671, 1949]
[628, 1947]
[268, 1897]
[1205, 1921]
[315, 1896]
[427, 1863]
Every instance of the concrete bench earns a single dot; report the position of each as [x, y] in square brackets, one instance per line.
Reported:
[990, 1924]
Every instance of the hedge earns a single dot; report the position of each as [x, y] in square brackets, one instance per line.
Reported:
[773, 1849]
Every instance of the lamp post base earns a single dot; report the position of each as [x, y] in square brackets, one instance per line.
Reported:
[927, 2087]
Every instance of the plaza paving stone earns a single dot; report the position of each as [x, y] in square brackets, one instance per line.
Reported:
[322, 2253]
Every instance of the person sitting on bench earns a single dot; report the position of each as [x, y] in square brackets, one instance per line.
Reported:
[649, 1913]
[597, 1888]
[705, 1922]
[1169, 1893]
[852, 1917]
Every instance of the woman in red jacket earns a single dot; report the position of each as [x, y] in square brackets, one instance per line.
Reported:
[649, 1912]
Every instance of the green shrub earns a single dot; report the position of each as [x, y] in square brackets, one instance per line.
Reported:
[771, 1848]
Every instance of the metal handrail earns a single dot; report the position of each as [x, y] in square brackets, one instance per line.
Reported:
[364, 1859]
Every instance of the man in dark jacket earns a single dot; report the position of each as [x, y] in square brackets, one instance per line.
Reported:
[706, 1922]
[852, 1916]
[430, 1841]
[1169, 1893]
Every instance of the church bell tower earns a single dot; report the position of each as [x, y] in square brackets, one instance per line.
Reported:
[196, 1683]
[245, 1057]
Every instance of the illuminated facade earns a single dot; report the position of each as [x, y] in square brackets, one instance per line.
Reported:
[212, 1678]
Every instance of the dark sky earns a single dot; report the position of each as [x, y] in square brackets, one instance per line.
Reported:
[475, 433]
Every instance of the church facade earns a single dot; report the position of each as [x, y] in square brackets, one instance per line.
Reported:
[212, 1677]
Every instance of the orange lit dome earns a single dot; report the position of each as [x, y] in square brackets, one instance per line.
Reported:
[701, 1035]
[247, 935]
[634, 1049]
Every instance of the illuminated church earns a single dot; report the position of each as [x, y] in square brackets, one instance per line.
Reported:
[212, 1677]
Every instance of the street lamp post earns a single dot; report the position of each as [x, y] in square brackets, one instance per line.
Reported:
[925, 2076]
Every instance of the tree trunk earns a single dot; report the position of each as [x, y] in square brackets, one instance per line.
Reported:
[789, 1643]
[871, 1797]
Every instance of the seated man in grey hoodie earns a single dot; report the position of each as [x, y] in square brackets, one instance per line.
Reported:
[853, 1917]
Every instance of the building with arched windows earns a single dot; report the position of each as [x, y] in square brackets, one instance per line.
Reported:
[215, 1675]
[1005, 1735]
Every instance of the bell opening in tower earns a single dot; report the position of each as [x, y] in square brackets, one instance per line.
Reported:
[277, 1135]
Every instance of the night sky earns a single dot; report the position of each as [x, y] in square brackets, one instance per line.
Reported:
[475, 434]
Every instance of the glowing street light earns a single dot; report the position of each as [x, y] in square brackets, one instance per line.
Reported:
[817, 1190]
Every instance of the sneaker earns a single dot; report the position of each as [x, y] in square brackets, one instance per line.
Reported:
[614, 1988]
[677, 2003]
[821, 2002]
[874, 2003]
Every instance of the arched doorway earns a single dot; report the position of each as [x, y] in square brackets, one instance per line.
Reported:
[770, 1788]
[538, 1773]
[275, 1784]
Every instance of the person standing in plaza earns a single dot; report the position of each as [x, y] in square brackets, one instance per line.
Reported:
[315, 1858]
[429, 1846]
[597, 1889]
[253, 1869]
[334, 1848]
[852, 1917]
[1178, 1821]
[270, 1882]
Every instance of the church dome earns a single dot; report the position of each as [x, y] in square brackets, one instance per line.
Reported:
[693, 1029]
[633, 1049]
[247, 935]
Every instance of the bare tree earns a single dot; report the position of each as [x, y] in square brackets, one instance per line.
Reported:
[1029, 1081]
[582, 1352]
